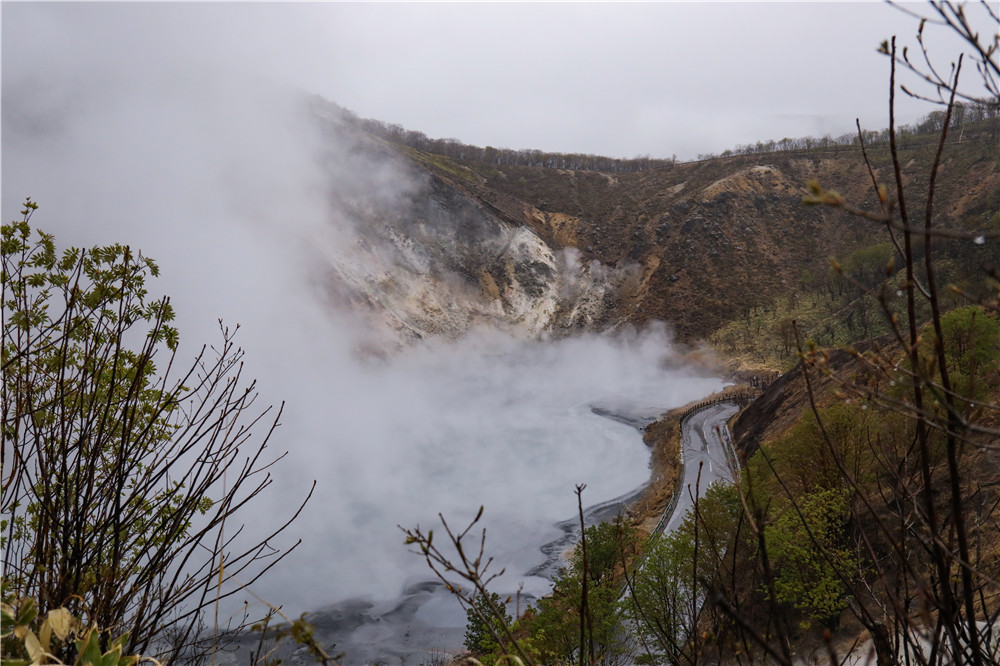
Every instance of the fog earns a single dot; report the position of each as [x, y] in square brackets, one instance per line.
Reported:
[490, 421]
[618, 79]
[219, 176]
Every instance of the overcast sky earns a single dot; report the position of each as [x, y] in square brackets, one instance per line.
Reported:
[619, 79]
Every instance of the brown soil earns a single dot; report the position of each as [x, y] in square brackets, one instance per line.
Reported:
[664, 438]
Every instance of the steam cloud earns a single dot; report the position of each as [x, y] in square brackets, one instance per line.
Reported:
[219, 176]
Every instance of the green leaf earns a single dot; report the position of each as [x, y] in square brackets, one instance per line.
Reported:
[112, 657]
[6, 620]
[89, 649]
[28, 611]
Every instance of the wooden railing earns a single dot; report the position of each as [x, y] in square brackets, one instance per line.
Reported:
[742, 398]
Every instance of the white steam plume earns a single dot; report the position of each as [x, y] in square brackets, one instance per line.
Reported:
[130, 132]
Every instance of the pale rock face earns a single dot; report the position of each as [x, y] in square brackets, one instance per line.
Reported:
[531, 300]
[415, 257]
[416, 281]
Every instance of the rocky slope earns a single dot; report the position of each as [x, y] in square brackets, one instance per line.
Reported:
[709, 241]
[541, 250]
[425, 257]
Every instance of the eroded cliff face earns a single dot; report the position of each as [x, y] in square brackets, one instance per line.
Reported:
[418, 257]
[442, 245]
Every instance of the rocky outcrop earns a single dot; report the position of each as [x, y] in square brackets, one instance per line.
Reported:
[418, 256]
[698, 245]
